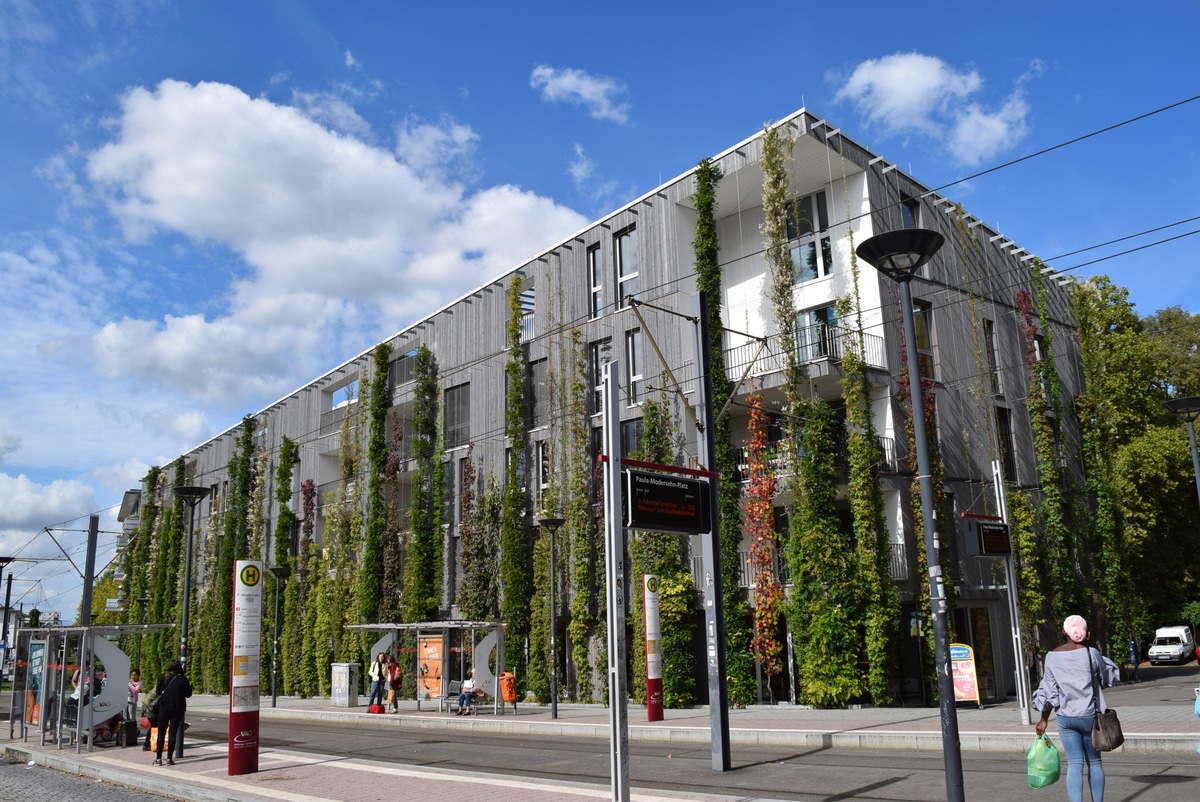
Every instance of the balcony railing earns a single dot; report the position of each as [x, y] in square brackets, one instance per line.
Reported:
[897, 567]
[779, 456]
[813, 344]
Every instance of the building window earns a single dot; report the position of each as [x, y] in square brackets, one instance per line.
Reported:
[403, 370]
[528, 302]
[596, 280]
[808, 237]
[814, 335]
[923, 318]
[541, 456]
[539, 395]
[910, 212]
[631, 437]
[457, 430]
[633, 365]
[626, 255]
[1004, 434]
[598, 357]
[989, 347]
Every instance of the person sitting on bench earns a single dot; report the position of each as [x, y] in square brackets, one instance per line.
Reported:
[467, 695]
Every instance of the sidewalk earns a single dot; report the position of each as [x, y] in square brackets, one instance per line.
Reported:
[1157, 724]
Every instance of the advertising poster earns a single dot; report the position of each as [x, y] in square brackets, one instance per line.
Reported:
[35, 682]
[243, 667]
[962, 670]
[429, 666]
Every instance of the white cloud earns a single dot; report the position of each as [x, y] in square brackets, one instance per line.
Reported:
[342, 241]
[350, 60]
[598, 192]
[596, 93]
[907, 93]
[10, 441]
[331, 110]
[30, 506]
[433, 150]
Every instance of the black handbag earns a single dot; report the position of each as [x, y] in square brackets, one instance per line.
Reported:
[1106, 729]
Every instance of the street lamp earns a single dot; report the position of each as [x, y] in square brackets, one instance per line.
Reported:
[281, 573]
[141, 601]
[551, 526]
[1189, 408]
[191, 496]
[898, 255]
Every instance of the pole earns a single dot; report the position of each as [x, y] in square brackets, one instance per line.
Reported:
[1191, 424]
[951, 748]
[553, 634]
[1014, 604]
[187, 586]
[614, 573]
[713, 587]
[275, 646]
[141, 621]
[89, 572]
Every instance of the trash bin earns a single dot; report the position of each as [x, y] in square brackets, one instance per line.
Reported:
[344, 685]
[508, 687]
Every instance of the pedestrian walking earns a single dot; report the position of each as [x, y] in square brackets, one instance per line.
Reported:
[1069, 686]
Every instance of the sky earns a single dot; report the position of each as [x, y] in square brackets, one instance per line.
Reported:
[206, 205]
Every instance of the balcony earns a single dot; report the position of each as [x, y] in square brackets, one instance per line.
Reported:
[817, 343]
[779, 457]
[897, 567]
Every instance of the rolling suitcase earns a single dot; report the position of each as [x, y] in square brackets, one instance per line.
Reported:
[127, 733]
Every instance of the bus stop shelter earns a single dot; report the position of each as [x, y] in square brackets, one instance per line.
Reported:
[46, 701]
[441, 655]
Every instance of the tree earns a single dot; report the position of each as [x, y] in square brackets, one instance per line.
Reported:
[371, 564]
[1175, 339]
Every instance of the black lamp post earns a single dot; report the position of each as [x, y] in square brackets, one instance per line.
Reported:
[191, 496]
[281, 573]
[141, 601]
[898, 255]
[551, 526]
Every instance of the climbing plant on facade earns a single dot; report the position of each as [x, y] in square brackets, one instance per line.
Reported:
[422, 575]
[514, 550]
[371, 564]
[759, 508]
[739, 665]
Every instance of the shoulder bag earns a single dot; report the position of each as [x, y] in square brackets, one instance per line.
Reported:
[1106, 730]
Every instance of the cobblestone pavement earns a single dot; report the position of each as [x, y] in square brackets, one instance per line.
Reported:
[20, 782]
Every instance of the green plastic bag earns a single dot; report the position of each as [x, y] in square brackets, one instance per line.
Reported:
[1042, 763]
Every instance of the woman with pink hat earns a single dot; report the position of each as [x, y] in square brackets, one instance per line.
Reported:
[1069, 686]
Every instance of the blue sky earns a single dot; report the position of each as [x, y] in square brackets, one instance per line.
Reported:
[204, 205]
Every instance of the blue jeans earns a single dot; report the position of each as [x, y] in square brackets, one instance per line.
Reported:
[1076, 735]
[377, 691]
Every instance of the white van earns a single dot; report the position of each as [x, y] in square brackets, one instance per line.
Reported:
[1172, 645]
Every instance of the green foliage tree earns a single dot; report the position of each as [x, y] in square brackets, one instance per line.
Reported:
[1174, 334]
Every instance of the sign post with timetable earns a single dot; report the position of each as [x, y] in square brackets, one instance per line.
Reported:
[245, 651]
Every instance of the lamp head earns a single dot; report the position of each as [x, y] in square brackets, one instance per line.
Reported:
[898, 254]
[1188, 407]
[281, 571]
[191, 495]
[551, 523]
